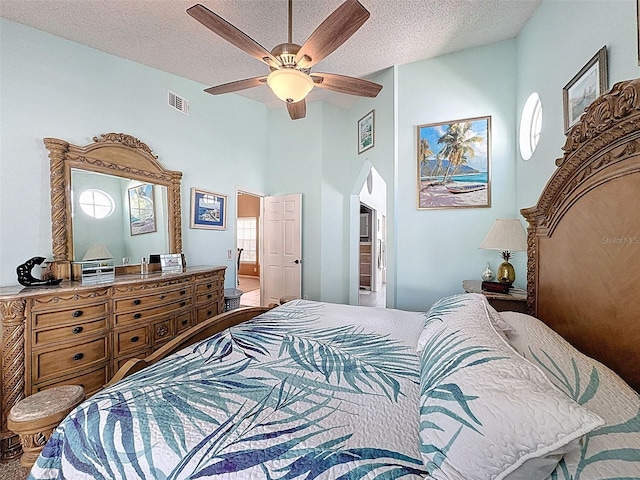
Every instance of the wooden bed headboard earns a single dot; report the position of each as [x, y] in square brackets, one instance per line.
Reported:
[583, 275]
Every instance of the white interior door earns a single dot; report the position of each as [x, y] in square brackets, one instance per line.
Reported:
[282, 243]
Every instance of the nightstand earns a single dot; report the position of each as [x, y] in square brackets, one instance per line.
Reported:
[514, 301]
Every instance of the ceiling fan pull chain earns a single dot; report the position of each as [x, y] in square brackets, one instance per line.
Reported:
[290, 21]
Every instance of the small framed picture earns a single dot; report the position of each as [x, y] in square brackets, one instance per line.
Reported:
[208, 210]
[588, 84]
[142, 215]
[171, 262]
[366, 134]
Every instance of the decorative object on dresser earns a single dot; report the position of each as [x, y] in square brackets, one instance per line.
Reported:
[507, 235]
[76, 333]
[25, 277]
[487, 273]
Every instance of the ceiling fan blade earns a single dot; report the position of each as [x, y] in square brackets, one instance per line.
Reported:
[237, 85]
[345, 84]
[231, 34]
[333, 32]
[297, 110]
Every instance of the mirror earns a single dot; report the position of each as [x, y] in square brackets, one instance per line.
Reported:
[144, 216]
[129, 217]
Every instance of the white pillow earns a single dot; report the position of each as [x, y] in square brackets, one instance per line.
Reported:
[485, 411]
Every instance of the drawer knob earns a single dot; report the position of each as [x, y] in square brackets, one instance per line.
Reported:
[182, 292]
[137, 301]
[137, 316]
[162, 297]
[77, 313]
[77, 330]
[185, 321]
[78, 356]
[210, 295]
[182, 304]
[208, 285]
[209, 312]
[134, 339]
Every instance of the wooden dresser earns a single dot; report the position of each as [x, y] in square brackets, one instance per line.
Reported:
[81, 334]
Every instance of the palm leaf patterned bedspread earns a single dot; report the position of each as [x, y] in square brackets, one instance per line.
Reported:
[308, 390]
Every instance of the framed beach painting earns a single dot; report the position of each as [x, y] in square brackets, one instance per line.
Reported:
[584, 88]
[208, 210]
[142, 215]
[454, 164]
[366, 132]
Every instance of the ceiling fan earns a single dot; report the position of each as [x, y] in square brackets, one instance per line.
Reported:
[290, 78]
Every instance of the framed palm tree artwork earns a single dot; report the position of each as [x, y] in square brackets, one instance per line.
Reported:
[454, 164]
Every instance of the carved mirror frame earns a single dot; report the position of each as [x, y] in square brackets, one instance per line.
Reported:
[116, 154]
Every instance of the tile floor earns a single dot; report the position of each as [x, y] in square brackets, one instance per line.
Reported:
[373, 299]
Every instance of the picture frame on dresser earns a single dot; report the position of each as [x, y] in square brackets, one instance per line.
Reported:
[208, 210]
[587, 85]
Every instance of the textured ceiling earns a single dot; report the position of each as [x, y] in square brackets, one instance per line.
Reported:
[159, 33]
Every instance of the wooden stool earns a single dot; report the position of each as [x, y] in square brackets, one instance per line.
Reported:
[35, 417]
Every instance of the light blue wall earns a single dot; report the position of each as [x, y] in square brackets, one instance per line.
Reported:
[50, 87]
[437, 249]
[558, 40]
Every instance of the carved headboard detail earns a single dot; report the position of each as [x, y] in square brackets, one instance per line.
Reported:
[583, 275]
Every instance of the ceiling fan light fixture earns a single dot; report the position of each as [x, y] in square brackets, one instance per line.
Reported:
[290, 85]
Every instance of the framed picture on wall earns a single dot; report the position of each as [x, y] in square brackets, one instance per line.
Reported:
[366, 132]
[142, 215]
[584, 88]
[454, 164]
[208, 210]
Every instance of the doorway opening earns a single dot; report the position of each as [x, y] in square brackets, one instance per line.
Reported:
[248, 243]
[372, 250]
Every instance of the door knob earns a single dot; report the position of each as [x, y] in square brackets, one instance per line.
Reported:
[297, 261]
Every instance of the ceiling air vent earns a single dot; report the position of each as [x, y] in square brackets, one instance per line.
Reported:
[179, 103]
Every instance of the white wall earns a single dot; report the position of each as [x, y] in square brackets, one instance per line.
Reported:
[50, 87]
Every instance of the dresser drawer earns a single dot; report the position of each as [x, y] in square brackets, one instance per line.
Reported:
[120, 361]
[162, 331]
[125, 341]
[73, 332]
[72, 314]
[208, 297]
[146, 301]
[62, 361]
[143, 315]
[91, 382]
[204, 313]
[183, 322]
[209, 285]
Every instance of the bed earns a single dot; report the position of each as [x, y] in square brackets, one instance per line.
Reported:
[317, 390]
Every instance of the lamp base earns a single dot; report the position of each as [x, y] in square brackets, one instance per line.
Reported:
[506, 274]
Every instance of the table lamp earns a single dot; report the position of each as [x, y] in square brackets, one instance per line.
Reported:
[506, 235]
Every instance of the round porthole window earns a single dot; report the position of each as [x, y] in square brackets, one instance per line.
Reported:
[530, 125]
[96, 203]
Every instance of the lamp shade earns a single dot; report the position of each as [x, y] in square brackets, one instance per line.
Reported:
[506, 234]
[97, 252]
[290, 85]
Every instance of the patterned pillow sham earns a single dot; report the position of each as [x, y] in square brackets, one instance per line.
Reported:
[485, 411]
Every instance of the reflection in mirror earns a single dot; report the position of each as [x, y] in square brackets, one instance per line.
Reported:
[129, 217]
